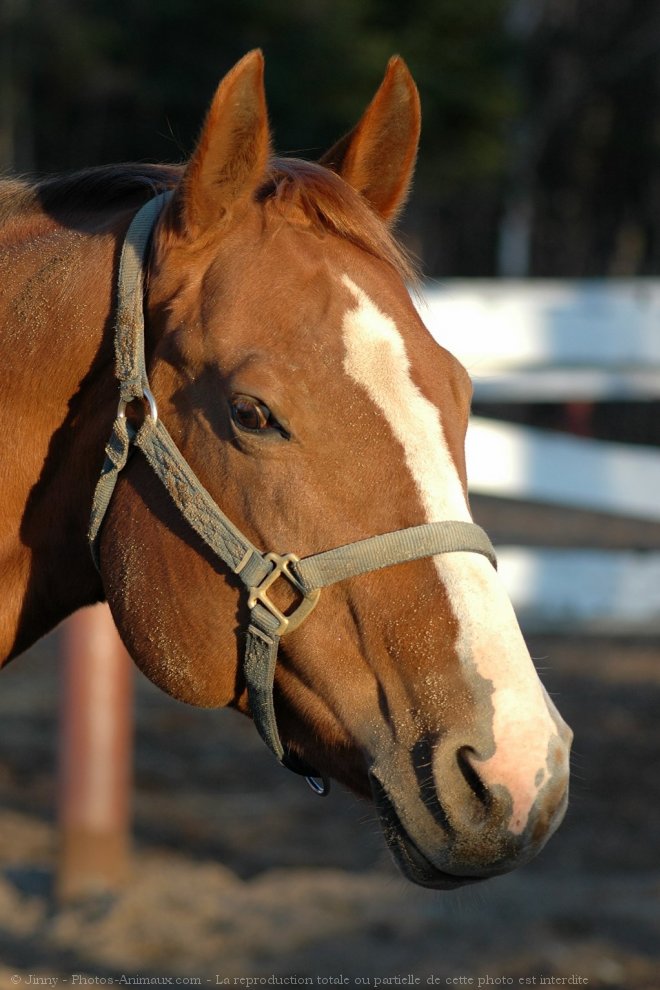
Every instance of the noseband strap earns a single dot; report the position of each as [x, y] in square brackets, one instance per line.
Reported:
[258, 571]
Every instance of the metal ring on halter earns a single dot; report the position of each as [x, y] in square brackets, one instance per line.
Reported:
[320, 785]
[146, 394]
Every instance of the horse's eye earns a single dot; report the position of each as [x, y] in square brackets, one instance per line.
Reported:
[250, 414]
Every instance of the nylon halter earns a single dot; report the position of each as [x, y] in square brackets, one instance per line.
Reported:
[258, 571]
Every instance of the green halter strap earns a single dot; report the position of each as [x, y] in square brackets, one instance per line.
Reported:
[257, 571]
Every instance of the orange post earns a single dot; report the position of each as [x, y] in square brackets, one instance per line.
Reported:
[95, 756]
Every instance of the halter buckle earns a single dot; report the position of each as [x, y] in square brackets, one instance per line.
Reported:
[259, 593]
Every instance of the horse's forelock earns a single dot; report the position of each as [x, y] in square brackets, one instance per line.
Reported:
[330, 204]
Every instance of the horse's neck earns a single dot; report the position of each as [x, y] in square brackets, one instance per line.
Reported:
[56, 405]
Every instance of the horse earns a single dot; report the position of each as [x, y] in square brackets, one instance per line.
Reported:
[242, 329]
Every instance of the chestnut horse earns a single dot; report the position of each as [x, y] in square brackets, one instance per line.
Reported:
[306, 404]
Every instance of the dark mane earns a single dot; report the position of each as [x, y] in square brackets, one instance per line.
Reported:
[86, 191]
[106, 186]
[326, 200]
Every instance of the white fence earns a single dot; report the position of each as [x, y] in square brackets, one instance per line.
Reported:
[559, 342]
[552, 341]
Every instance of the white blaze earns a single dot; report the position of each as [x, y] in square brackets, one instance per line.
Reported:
[489, 637]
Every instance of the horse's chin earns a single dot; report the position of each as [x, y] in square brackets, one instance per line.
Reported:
[411, 861]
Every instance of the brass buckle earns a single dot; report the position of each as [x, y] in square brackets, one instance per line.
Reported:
[259, 593]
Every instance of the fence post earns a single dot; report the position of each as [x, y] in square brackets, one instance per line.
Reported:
[95, 757]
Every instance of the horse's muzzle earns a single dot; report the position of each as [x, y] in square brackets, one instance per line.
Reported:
[444, 834]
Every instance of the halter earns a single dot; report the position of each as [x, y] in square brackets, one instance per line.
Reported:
[258, 571]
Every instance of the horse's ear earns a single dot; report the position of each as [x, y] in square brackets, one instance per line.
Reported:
[378, 156]
[232, 152]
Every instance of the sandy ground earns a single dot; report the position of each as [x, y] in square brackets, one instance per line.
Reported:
[240, 872]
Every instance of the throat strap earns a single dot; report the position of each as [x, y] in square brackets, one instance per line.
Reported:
[257, 571]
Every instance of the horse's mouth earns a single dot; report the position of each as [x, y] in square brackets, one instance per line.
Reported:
[411, 861]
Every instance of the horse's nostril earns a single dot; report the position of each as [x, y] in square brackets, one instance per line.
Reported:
[472, 778]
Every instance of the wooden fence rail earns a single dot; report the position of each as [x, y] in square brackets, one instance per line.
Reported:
[562, 342]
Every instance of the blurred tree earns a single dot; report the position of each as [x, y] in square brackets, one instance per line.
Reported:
[15, 110]
[461, 56]
[540, 144]
[91, 81]
[592, 80]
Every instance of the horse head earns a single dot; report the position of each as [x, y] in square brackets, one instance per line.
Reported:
[298, 381]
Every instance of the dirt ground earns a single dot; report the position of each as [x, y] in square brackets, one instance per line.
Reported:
[240, 872]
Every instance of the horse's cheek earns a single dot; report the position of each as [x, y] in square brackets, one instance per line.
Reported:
[175, 612]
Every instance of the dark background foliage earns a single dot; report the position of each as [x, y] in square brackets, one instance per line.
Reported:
[541, 141]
